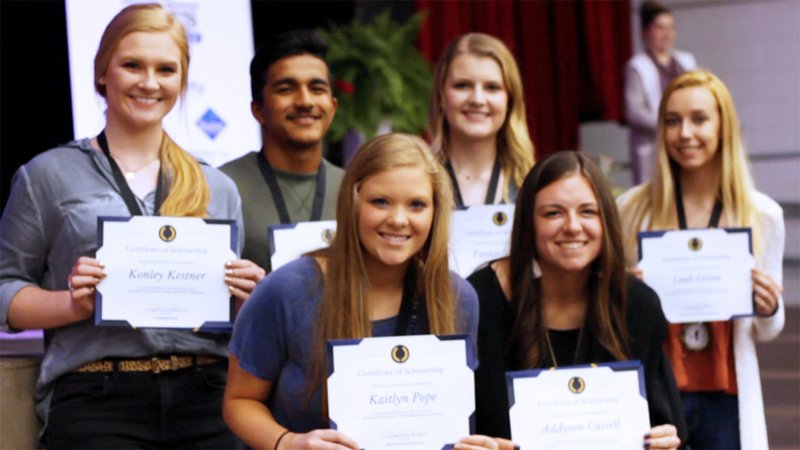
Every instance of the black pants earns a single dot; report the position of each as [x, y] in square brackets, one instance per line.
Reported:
[177, 409]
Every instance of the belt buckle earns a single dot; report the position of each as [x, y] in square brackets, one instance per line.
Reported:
[155, 367]
[158, 365]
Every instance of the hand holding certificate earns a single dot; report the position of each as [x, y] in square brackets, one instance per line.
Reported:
[603, 407]
[413, 392]
[700, 275]
[165, 272]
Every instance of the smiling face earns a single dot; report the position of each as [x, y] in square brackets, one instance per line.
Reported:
[143, 79]
[475, 98]
[569, 230]
[395, 214]
[692, 128]
[298, 105]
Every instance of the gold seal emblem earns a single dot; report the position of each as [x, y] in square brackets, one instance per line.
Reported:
[499, 218]
[328, 235]
[167, 233]
[695, 244]
[576, 385]
[400, 354]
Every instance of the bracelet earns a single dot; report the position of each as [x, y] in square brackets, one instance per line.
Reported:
[280, 438]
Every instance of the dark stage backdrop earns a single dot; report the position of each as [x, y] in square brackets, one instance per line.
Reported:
[571, 54]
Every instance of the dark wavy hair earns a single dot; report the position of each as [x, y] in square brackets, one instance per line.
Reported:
[605, 316]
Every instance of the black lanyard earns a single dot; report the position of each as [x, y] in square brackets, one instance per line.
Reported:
[716, 213]
[491, 193]
[410, 312]
[277, 195]
[122, 183]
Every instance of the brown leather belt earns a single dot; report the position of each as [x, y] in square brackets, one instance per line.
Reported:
[155, 364]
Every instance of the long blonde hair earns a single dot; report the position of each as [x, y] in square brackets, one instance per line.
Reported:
[188, 191]
[656, 200]
[344, 311]
[514, 146]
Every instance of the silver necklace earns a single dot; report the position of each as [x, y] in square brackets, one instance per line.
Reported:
[130, 174]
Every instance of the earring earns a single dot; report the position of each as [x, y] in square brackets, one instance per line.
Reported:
[537, 271]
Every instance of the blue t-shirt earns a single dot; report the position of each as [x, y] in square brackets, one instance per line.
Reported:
[274, 338]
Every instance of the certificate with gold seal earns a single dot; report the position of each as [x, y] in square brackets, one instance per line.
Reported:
[165, 272]
[402, 392]
[700, 275]
[602, 407]
[479, 234]
[288, 242]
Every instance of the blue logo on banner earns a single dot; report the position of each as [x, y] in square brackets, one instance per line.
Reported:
[211, 124]
[187, 13]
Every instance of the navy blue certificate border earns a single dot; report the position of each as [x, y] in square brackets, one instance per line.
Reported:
[213, 326]
[472, 363]
[660, 233]
[619, 366]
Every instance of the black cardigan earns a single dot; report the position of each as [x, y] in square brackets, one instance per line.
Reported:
[647, 329]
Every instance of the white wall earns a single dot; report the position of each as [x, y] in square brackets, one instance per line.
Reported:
[754, 47]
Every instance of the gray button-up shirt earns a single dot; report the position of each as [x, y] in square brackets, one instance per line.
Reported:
[51, 220]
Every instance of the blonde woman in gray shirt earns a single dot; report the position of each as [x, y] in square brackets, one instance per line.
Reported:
[115, 387]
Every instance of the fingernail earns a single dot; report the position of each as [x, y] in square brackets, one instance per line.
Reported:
[230, 288]
[646, 445]
[102, 264]
[516, 447]
[228, 263]
[647, 435]
[228, 272]
[227, 278]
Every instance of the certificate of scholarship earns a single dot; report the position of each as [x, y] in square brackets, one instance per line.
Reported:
[602, 407]
[165, 272]
[402, 392]
[700, 275]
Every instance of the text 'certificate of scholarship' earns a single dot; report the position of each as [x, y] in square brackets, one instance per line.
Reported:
[601, 407]
[700, 275]
[479, 234]
[402, 392]
[288, 242]
[165, 272]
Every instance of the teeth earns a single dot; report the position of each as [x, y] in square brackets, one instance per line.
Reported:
[145, 99]
[393, 238]
[571, 245]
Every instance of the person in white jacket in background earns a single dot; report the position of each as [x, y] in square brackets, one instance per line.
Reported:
[647, 74]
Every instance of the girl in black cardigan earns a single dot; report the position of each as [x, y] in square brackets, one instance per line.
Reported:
[563, 298]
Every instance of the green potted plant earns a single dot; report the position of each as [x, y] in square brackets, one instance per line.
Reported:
[379, 76]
